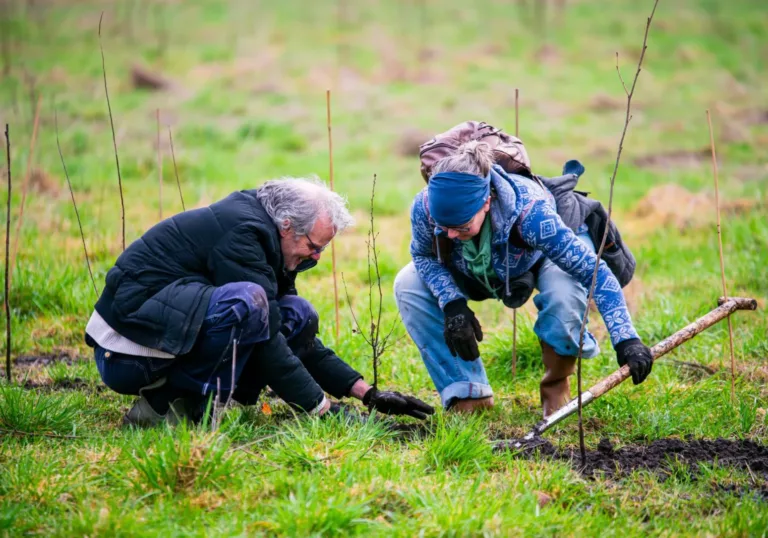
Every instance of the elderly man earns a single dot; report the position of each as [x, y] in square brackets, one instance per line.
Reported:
[217, 282]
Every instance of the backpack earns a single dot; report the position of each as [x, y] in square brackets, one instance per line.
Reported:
[508, 150]
[574, 207]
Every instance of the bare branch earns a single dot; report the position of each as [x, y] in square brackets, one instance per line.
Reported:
[74, 204]
[626, 91]
[114, 138]
[352, 310]
[175, 169]
[159, 170]
[600, 250]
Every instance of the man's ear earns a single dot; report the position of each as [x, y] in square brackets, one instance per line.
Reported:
[286, 231]
[487, 205]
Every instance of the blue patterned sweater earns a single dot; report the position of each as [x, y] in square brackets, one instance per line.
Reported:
[527, 205]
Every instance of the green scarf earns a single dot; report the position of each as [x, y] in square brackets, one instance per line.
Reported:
[479, 259]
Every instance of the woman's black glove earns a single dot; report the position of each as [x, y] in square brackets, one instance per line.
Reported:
[638, 356]
[394, 403]
[462, 331]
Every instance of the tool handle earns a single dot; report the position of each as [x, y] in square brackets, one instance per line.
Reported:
[727, 307]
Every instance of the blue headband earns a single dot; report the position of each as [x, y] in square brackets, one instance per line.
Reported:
[454, 197]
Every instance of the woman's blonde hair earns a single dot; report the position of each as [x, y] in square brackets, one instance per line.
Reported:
[472, 157]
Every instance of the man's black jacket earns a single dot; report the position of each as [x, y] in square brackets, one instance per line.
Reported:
[158, 291]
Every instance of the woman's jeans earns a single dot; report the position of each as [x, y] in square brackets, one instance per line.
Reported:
[236, 311]
[561, 303]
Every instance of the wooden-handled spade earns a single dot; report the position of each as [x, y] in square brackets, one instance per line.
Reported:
[726, 308]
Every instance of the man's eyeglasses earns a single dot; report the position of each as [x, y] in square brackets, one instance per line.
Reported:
[314, 247]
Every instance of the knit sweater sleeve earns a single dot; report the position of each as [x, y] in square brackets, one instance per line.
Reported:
[543, 229]
[434, 274]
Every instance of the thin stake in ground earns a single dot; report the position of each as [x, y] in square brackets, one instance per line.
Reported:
[720, 249]
[627, 118]
[176, 170]
[74, 204]
[333, 241]
[24, 187]
[7, 272]
[114, 138]
[159, 171]
[514, 310]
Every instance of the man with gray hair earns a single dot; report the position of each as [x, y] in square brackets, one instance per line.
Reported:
[209, 295]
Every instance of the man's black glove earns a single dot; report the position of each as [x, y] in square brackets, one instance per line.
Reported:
[462, 331]
[394, 403]
[638, 356]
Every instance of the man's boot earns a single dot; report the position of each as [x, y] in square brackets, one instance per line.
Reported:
[555, 388]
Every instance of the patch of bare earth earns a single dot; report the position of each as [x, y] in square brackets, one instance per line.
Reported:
[673, 205]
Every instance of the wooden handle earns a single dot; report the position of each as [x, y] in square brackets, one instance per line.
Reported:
[726, 308]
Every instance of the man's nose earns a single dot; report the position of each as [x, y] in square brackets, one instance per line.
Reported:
[453, 234]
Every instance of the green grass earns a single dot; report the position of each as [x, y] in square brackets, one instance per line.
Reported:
[247, 103]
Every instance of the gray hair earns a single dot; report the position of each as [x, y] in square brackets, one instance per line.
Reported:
[472, 157]
[297, 203]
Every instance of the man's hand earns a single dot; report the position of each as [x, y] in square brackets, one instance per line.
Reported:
[394, 403]
[638, 356]
[462, 331]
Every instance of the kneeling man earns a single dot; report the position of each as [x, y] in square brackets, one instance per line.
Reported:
[208, 281]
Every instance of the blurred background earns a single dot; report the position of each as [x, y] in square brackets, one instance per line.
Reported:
[241, 85]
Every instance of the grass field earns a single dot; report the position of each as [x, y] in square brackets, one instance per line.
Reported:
[245, 99]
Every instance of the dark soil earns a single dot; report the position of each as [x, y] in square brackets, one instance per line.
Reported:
[64, 384]
[658, 456]
[46, 359]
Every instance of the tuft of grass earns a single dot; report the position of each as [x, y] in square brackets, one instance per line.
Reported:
[30, 412]
[181, 461]
[459, 443]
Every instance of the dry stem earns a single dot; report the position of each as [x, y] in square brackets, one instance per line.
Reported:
[720, 249]
[627, 119]
[514, 310]
[333, 241]
[24, 187]
[114, 138]
[176, 170]
[72, 193]
[7, 273]
[159, 170]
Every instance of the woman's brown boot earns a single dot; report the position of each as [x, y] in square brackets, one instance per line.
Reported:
[555, 388]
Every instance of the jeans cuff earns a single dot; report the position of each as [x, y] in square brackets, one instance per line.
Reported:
[464, 390]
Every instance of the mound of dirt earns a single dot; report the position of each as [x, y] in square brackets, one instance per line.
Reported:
[675, 159]
[143, 78]
[658, 456]
[673, 205]
[410, 140]
[46, 359]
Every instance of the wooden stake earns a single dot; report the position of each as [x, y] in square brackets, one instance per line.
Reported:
[7, 272]
[722, 262]
[333, 242]
[159, 171]
[24, 187]
[176, 170]
[514, 310]
[114, 138]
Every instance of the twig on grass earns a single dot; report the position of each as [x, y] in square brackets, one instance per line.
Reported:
[591, 294]
[74, 204]
[24, 187]
[175, 169]
[333, 241]
[720, 250]
[114, 138]
[7, 273]
[39, 434]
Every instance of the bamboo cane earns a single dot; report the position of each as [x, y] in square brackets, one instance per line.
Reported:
[333, 242]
